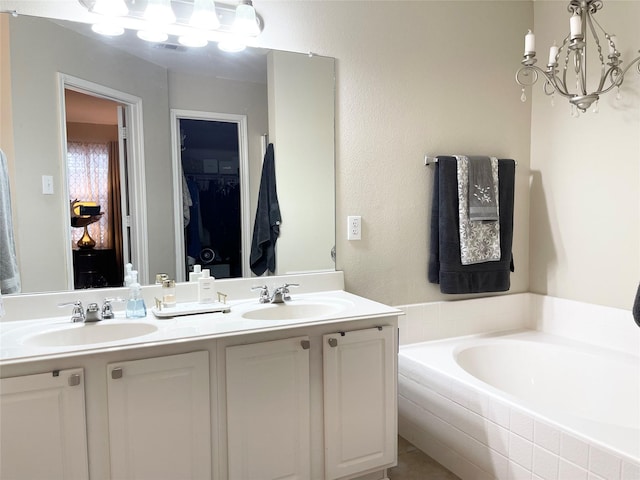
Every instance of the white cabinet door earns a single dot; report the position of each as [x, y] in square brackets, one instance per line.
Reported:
[359, 401]
[268, 410]
[159, 418]
[43, 430]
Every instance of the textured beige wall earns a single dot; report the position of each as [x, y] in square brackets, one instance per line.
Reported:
[412, 78]
[585, 184]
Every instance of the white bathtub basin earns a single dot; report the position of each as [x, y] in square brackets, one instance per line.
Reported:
[88, 333]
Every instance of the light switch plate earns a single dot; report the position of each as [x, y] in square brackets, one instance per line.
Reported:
[47, 185]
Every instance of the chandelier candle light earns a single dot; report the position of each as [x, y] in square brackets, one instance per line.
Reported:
[574, 48]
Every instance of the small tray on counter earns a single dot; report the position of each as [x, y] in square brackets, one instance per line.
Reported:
[190, 308]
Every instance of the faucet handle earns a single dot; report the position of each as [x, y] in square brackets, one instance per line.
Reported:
[285, 290]
[264, 293]
[107, 310]
[77, 314]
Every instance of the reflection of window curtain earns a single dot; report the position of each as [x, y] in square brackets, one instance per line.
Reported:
[115, 211]
[88, 167]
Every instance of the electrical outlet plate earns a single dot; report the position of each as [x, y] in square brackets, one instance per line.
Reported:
[354, 227]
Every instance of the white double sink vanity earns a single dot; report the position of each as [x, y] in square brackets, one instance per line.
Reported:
[300, 390]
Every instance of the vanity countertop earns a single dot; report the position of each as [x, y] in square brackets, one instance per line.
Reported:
[44, 339]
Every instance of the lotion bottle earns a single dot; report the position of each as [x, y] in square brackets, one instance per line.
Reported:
[206, 288]
[196, 274]
[135, 305]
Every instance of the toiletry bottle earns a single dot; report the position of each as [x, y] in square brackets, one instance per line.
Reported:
[169, 293]
[206, 288]
[135, 305]
[196, 274]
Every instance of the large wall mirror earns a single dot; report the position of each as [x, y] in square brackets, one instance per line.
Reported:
[287, 96]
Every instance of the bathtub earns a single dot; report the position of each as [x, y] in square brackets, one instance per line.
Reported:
[522, 405]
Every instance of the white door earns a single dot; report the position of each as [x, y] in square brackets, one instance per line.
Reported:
[359, 401]
[159, 418]
[43, 432]
[268, 410]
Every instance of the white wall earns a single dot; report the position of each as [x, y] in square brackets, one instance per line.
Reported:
[412, 78]
[585, 184]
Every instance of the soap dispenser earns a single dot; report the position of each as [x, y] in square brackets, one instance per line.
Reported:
[135, 305]
[128, 268]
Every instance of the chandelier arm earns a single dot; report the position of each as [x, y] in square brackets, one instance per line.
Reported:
[558, 85]
[619, 76]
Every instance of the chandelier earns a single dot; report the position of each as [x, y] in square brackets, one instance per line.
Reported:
[566, 72]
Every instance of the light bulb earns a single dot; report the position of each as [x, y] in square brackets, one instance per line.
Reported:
[246, 22]
[155, 36]
[110, 8]
[204, 15]
[232, 45]
[109, 29]
[159, 12]
[192, 40]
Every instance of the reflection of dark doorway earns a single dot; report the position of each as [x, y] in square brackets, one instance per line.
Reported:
[210, 162]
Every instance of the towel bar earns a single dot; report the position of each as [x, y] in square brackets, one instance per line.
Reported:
[432, 160]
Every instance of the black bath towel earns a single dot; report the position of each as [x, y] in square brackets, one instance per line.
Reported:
[445, 266]
[636, 307]
[266, 228]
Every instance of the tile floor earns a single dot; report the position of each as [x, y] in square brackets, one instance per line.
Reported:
[413, 464]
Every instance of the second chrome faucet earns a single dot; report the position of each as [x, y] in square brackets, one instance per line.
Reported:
[279, 294]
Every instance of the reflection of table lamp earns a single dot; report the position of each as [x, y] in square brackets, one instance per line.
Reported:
[84, 214]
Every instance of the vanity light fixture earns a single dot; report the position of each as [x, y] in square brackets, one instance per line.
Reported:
[109, 9]
[193, 22]
[572, 55]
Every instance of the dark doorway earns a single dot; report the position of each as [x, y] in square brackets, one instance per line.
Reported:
[210, 163]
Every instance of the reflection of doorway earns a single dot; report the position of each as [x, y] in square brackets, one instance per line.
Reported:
[94, 166]
[126, 209]
[211, 164]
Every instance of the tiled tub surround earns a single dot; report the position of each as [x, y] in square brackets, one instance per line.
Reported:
[479, 431]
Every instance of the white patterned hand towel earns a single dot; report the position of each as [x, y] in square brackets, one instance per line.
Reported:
[483, 205]
[479, 241]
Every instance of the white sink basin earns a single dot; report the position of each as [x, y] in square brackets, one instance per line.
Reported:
[88, 333]
[294, 310]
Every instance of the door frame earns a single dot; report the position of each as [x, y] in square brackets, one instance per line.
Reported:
[137, 191]
[243, 160]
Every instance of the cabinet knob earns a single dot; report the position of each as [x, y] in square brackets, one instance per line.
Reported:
[116, 373]
[305, 344]
[333, 342]
[74, 380]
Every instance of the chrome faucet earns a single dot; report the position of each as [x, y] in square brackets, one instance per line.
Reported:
[279, 295]
[93, 313]
[77, 314]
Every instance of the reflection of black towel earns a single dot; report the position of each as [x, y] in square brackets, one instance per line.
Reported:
[266, 227]
[445, 266]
